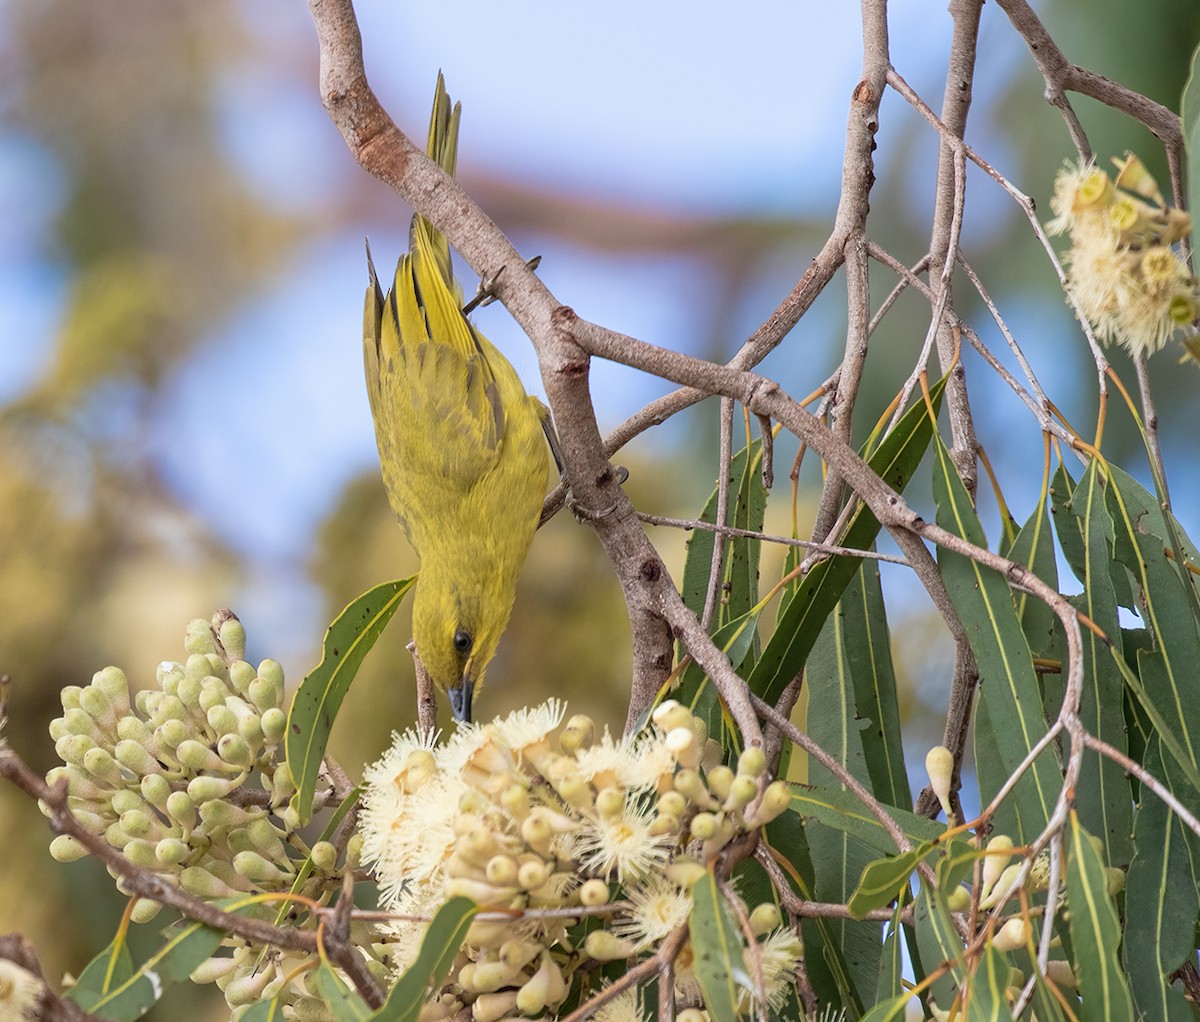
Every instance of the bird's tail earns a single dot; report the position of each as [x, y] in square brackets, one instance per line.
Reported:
[442, 148]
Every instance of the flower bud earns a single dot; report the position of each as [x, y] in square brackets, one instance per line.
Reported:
[72, 748]
[232, 749]
[576, 792]
[502, 871]
[691, 787]
[324, 856]
[171, 851]
[265, 838]
[213, 969]
[704, 825]
[270, 672]
[480, 892]
[232, 634]
[691, 1015]
[487, 976]
[222, 719]
[274, 724]
[100, 764]
[254, 867]
[172, 733]
[247, 988]
[720, 781]
[1003, 889]
[134, 729]
[69, 697]
[752, 762]
[1061, 974]
[490, 1007]
[775, 800]
[241, 674]
[610, 803]
[593, 893]
[939, 765]
[167, 674]
[66, 848]
[663, 824]
[137, 823]
[198, 638]
[682, 744]
[209, 789]
[79, 722]
[533, 873]
[999, 851]
[669, 715]
[742, 792]
[764, 918]
[141, 853]
[958, 900]
[135, 758]
[684, 872]
[578, 734]
[604, 946]
[1012, 935]
[144, 911]
[95, 703]
[546, 987]
[181, 807]
[198, 757]
[199, 881]
[188, 691]
[1114, 879]
[213, 692]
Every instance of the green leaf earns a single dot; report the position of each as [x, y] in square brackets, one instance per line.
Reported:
[343, 1003]
[110, 968]
[319, 697]
[986, 1001]
[868, 653]
[717, 944]
[886, 879]
[442, 941]
[891, 965]
[1008, 684]
[739, 567]
[895, 460]
[1167, 683]
[1161, 906]
[842, 810]
[265, 1011]
[186, 948]
[1104, 800]
[1034, 548]
[1190, 109]
[1095, 931]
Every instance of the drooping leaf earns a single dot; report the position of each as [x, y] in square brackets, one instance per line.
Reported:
[110, 968]
[718, 949]
[1095, 931]
[319, 697]
[442, 941]
[1104, 801]
[344, 1004]
[841, 810]
[1161, 905]
[1008, 683]
[885, 879]
[986, 1000]
[186, 947]
[1190, 110]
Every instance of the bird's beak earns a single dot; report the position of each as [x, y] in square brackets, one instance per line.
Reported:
[460, 700]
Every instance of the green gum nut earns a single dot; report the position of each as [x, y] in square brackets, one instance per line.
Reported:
[198, 638]
[210, 789]
[213, 692]
[233, 750]
[141, 853]
[156, 790]
[265, 693]
[257, 868]
[241, 674]
[222, 719]
[96, 704]
[232, 634]
[145, 910]
[265, 838]
[72, 748]
[113, 683]
[171, 851]
[199, 881]
[134, 757]
[274, 724]
[198, 757]
[100, 764]
[324, 856]
[181, 807]
[65, 848]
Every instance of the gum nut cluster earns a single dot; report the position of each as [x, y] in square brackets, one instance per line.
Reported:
[1123, 267]
[188, 782]
[589, 846]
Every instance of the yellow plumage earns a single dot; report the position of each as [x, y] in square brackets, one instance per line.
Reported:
[460, 444]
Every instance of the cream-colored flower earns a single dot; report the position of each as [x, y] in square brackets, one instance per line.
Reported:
[657, 907]
[625, 1007]
[623, 843]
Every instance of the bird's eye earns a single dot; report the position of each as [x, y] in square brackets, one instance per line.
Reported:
[463, 641]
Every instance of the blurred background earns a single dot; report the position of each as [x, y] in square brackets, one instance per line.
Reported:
[183, 423]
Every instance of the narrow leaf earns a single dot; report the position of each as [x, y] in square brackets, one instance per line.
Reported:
[1095, 931]
[319, 697]
[344, 1004]
[1161, 906]
[886, 879]
[842, 810]
[717, 945]
[442, 941]
[986, 1000]
[1190, 109]
[1008, 683]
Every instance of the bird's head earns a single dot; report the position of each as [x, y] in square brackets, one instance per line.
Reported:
[456, 634]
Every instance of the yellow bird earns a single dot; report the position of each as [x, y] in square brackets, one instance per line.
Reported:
[460, 444]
